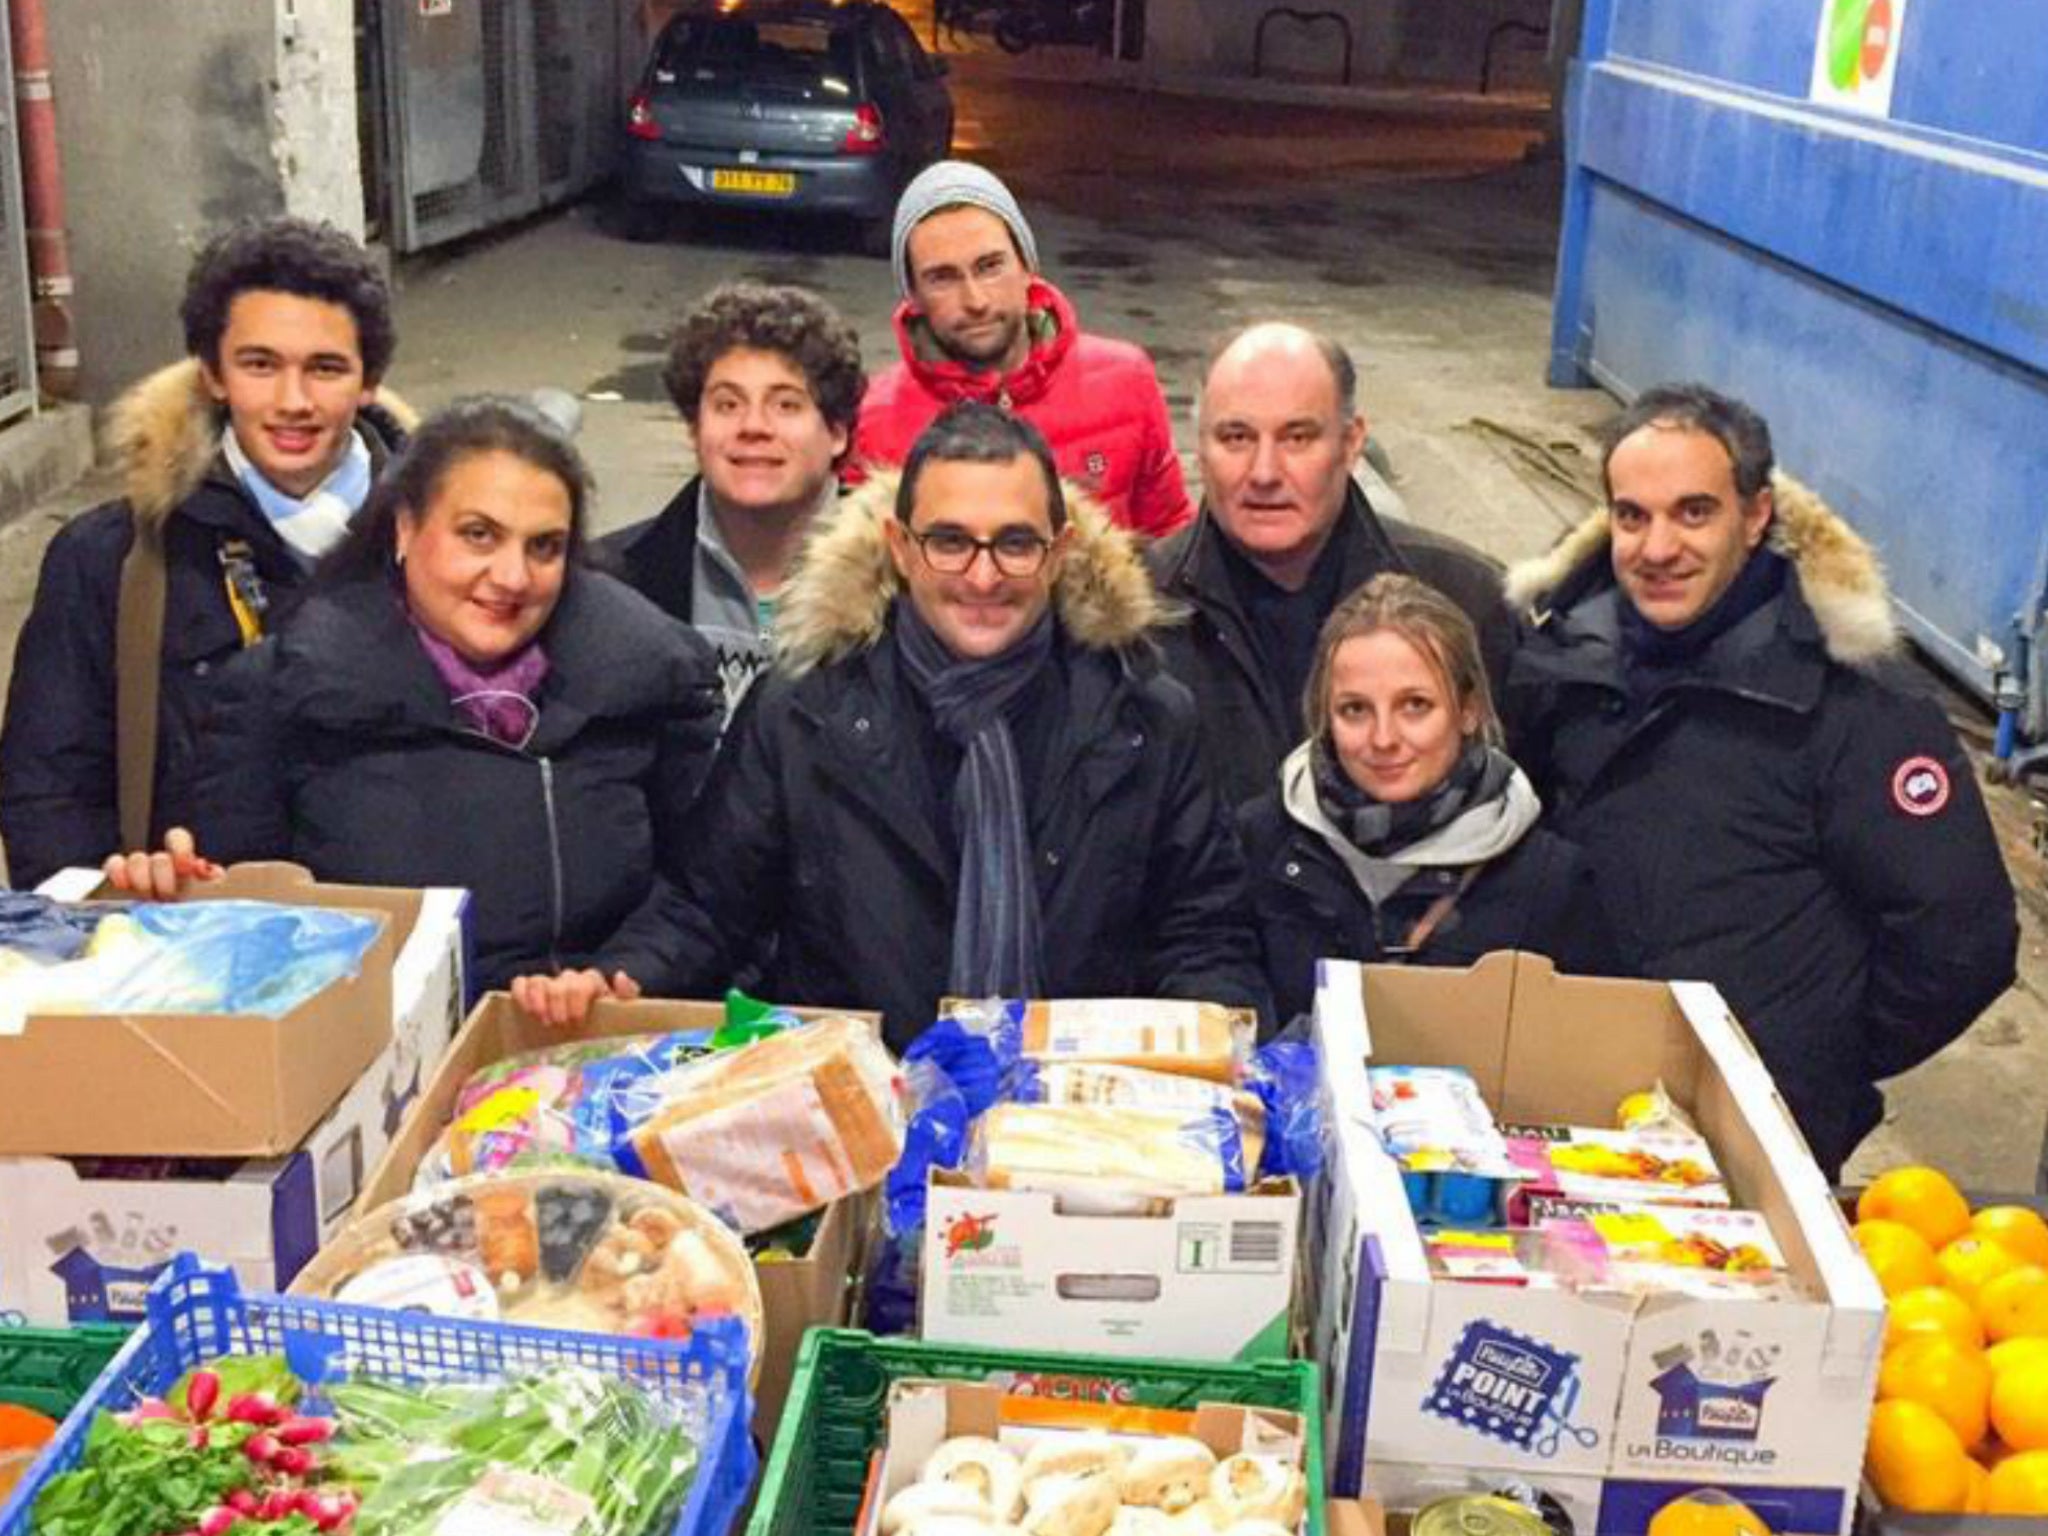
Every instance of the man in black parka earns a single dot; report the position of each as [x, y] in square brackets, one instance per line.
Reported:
[241, 466]
[966, 773]
[1709, 698]
[1283, 534]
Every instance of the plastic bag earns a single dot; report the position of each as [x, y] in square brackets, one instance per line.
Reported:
[567, 1447]
[1104, 1161]
[235, 957]
[776, 1129]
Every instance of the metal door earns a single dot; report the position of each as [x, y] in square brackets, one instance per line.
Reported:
[495, 108]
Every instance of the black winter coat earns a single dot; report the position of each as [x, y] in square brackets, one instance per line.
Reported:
[59, 771]
[657, 557]
[1538, 896]
[1788, 822]
[1248, 728]
[812, 841]
[347, 757]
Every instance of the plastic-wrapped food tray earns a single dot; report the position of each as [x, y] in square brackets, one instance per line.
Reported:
[555, 1248]
[197, 1313]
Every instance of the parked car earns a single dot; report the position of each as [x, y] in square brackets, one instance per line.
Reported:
[799, 105]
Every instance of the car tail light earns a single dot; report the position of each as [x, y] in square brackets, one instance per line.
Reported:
[866, 136]
[640, 121]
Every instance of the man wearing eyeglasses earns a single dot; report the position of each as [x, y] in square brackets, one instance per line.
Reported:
[978, 322]
[966, 773]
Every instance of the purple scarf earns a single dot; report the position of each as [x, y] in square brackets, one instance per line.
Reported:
[498, 701]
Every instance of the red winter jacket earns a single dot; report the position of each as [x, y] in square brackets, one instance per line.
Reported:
[1097, 401]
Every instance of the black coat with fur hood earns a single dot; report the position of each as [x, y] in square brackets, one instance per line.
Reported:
[58, 768]
[1789, 820]
[812, 846]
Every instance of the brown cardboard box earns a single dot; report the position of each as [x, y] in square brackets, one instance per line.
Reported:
[206, 1085]
[1354, 1517]
[796, 1294]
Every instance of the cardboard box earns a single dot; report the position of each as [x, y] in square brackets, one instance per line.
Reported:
[1210, 1279]
[80, 1240]
[1639, 1398]
[923, 1415]
[206, 1085]
[796, 1294]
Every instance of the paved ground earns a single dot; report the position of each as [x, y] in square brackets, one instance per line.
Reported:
[1415, 233]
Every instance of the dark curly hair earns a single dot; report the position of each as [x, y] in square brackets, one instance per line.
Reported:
[296, 256]
[793, 322]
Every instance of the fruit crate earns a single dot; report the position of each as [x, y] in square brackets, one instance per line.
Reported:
[818, 1471]
[51, 1369]
[198, 1312]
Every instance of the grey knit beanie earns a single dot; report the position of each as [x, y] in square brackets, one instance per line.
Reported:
[952, 184]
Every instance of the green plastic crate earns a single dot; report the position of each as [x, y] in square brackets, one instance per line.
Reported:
[839, 1395]
[50, 1369]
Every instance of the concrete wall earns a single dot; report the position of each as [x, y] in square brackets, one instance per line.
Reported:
[1421, 41]
[177, 120]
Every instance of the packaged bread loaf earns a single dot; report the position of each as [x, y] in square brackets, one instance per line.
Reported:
[777, 1129]
[1162, 1035]
[1117, 1087]
[1107, 1160]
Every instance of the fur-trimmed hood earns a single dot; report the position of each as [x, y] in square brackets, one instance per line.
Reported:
[1840, 576]
[165, 434]
[838, 598]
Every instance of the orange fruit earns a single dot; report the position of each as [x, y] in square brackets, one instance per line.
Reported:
[1898, 1254]
[2019, 1406]
[2015, 1229]
[2014, 1305]
[1915, 1460]
[1970, 1263]
[2018, 1485]
[1953, 1380]
[1931, 1309]
[1923, 1198]
[1980, 1488]
[1709, 1512]
[2012, 1352]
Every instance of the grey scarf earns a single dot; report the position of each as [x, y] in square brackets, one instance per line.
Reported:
[997, 946]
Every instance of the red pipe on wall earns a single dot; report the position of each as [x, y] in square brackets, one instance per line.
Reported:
[42, 195]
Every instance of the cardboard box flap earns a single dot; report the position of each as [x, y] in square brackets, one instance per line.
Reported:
[1552, 1018]
[1405, 1007]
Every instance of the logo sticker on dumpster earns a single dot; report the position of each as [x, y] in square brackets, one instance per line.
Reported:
[1509, 1388]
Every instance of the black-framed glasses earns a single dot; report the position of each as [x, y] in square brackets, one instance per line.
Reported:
[1015, 551]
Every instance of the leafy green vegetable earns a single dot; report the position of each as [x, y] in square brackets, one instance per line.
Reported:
[603, 1439]
[143, 1479]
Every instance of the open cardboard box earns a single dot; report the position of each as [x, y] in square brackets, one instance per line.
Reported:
[922, 1415]
[206, 1085]
[1611, 1404]
[796, 1294]
[82, 1238]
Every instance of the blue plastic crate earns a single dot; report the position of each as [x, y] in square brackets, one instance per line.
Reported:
[197, 1313]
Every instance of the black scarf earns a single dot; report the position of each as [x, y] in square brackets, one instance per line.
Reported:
[998, 950]
[1378, 829]
[1652, 657]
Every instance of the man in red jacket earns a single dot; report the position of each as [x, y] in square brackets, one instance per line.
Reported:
[977, 322]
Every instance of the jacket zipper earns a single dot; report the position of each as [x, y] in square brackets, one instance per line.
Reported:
[547, 792]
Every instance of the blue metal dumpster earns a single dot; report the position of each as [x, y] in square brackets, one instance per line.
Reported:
[1744, 206]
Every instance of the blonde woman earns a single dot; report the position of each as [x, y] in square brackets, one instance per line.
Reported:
[1399, 830]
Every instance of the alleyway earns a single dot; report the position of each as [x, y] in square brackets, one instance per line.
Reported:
[1418, 236]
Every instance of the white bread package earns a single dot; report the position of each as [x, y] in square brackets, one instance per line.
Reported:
[777, 1129]
[1106, 1086]
[1112, 1161]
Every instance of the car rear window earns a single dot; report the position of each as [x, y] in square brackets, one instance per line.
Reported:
[740, 50]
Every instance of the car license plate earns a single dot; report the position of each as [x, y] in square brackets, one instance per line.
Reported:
[754, 183]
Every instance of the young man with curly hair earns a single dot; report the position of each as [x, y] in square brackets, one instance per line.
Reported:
[242, 465]
[768, 381]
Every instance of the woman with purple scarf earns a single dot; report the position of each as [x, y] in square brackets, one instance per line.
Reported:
[457, 701]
